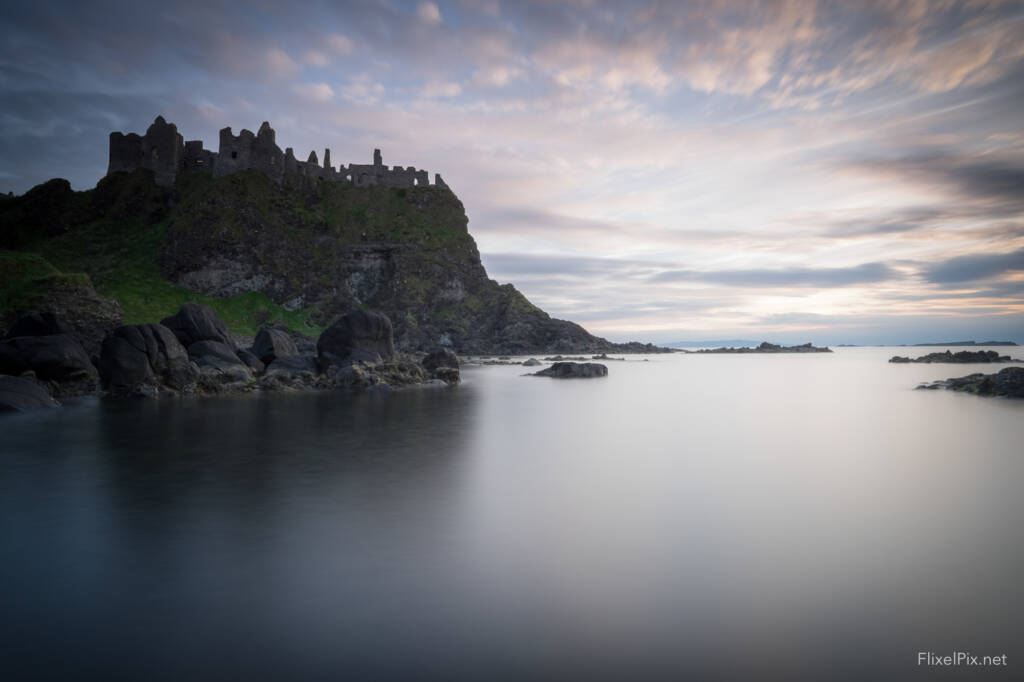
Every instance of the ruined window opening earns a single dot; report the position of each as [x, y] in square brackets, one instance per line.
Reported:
[156, 153]
[234, 155]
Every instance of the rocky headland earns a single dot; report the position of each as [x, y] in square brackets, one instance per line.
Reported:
[964, 356]
[1007, 382]
[265, 240]
[766, 347]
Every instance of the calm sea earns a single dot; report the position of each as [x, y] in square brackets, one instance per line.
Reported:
[712, 517]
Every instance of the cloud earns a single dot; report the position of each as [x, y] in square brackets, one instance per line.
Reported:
[788, 277]
[362, 89]
[439, 89]
[279, 64]
[318, 92]
[316, 58]
[338, 44]
[428, 13]
[975, 267]
[996, 184]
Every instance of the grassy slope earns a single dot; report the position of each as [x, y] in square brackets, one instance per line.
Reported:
[118, 252]
[120, 257]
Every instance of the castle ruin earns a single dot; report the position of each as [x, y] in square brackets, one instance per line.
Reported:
[163, 151]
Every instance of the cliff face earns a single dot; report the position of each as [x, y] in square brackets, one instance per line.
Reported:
[304, 254]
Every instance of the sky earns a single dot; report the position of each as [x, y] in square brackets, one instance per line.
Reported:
[835, 172]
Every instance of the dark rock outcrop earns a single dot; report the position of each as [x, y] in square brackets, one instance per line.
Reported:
[1008, 382]
[573, 370]
[359, 336]
[251, 361]
[145, 359]
[443, 364]
[17, 395]
[197, 322]
[65, 305]
[57, 358]
[271, 343]
[39, 324]
[964, 356]
[443, 357]
[293, 371]
[220, 367]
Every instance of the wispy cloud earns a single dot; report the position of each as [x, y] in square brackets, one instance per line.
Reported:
[975, 267]
[644, 166]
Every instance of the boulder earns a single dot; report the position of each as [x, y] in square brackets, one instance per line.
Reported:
[532, 362]
[220, 368]
[291, 371]
[440, 358]
[58, 357]
[271, 344]
[359, 336]
[573, 370]
[251, 361]
[1008, 383]
[17, 394]
[443, 364]
[215, 354]
[39, 324]
[197, 322]
[135, 358]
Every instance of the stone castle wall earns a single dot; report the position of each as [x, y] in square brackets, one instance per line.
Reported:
[163, 151]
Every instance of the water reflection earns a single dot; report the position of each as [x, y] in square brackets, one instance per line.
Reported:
[729, 517]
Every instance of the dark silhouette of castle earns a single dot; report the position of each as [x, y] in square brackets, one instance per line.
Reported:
[163, 151]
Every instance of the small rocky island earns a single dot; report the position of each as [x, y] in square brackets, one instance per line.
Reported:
[766, 347]
[964, 356]
[573, 370]
[1008, 383]
[191, 352]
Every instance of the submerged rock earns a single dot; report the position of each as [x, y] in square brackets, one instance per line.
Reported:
[573, 370]
[1008, 382]
[18, 394]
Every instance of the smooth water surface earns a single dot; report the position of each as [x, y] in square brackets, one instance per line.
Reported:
[708, 516]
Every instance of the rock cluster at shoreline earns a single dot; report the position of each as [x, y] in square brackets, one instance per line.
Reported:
[192, 352]
[1007, 382]
[964, 356]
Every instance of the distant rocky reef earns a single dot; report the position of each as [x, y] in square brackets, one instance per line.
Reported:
[766, 347]
[1007, 383]
[964, 356]
[191, 352]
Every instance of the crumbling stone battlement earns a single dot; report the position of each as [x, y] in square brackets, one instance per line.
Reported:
[163, 151]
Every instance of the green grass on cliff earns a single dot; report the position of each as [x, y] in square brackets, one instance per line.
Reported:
[25, 277]
[120, 257]
[111, 237]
